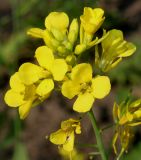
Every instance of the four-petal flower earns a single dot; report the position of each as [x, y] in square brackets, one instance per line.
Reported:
[86, 87]
[20, 95]
[65, 136]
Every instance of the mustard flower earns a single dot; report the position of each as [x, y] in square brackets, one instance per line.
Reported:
[65, 136]
[57, 35]
[20, 95]
[92, 19]
[114, 48]
[50, 68]
[126, 115]
[35, 83]
[26, 96]
[86, 87]
[53, 21]
[129, 114]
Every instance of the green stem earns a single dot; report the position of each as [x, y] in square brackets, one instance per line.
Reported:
[120, 154]
[98, 135]
[107, 127]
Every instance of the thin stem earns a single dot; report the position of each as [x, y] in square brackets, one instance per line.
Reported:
[120, 154]
[107, 127]
[98, 135]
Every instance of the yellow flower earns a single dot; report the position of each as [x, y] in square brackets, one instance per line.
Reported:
[54, 21]
[76, 155]
[85, 87]
[35, 83]
[49, 68]
[57, 36]
[126, 115]
[20, 95]
[92, 19]
[129, 114]
[65, 136]
[114, 48]
[57, 20]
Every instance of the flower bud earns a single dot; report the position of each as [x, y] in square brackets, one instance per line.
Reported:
[73, 31]
[80, 48]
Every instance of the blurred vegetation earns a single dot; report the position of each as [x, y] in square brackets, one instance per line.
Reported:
[16, 47]
[134, 154]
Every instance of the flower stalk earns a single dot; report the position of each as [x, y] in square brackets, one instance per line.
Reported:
[98, 135]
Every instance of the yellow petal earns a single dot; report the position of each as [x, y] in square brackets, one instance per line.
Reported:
[35, 32]
[136, 103]
[80, 48]
[59, 69]
[78, 129]
[73, 31]
[129, 116]
[69, 144]
[82, 73]
[45, 87]
[70, 89]
[30, 73]
[45, 57]
[49, 40]
[83, 103]
[134, 124]
[65, 125]
[114, 63]
[69, 124]
[92, 19]
[58, 35]
[113, 35]
[24, 109]
[58, 20]
[137, 114]
[101, 86]
[123, 120]
[16, 84]
[13, 99]
[58, 137]
[130, 49]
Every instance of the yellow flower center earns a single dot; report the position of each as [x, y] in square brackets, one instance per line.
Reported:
[86, 87]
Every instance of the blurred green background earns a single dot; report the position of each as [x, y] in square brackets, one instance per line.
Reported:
[25, 140]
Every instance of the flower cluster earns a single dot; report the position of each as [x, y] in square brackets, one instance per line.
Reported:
[60, 65]
[126, 115]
